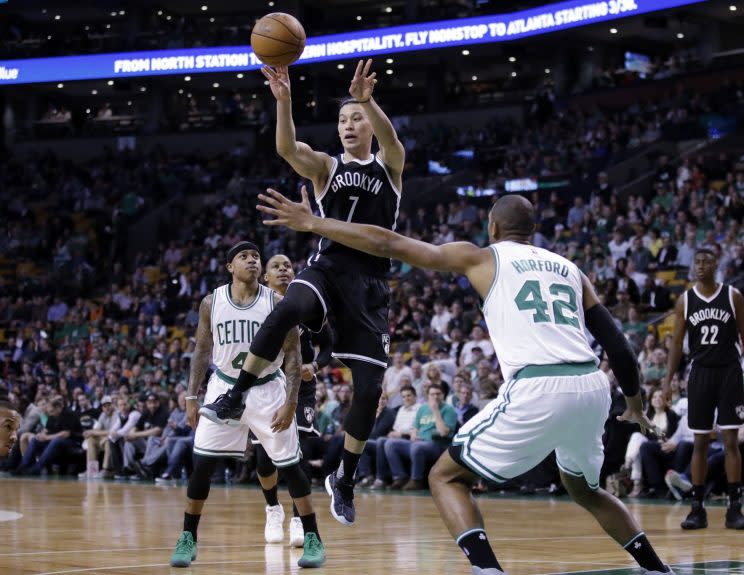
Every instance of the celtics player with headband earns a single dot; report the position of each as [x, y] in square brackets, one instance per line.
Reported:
[229, 318]
[536, 305]
[341, 283]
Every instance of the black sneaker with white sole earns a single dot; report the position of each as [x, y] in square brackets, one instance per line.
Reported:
[342, 499]
[224, 410]
[697, 518]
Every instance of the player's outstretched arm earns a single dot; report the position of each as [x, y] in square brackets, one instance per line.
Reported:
[304, 160]
[458, 257]
[619, 353]
[392, 151]
[678, 336]
[200, 359]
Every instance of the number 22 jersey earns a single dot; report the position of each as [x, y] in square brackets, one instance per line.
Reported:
[712, 333]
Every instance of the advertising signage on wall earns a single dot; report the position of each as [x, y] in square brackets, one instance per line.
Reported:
[426, 36]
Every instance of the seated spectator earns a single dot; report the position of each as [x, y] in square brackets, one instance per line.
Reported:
[402, 429]
[125, 422]
[656, 370]
[96, 439]
[635, 326]
[152, 423]
[391, 381]
[666, 421]
[60, 435]
[661, 459]
[156, 451]
[433, 430]
[465, 408]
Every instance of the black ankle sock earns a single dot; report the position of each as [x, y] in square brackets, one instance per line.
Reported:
[734, 493]
[190, 523]
[295, 512]
[477, 549]
[698, 493]
[348, 467]
[245, 380]
[644, 554]
[310, 524]
[272, 499]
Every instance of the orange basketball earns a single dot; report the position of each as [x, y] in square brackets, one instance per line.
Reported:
[278, 39]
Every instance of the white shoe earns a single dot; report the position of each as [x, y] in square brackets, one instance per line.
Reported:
[296, 532]
[83, 475]
[274, 530]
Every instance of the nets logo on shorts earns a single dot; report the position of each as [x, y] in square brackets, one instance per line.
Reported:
[740, 411]
[386, 342]
[309, 414]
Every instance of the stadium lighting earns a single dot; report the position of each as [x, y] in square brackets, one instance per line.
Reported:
[389, 61]
[466, 52]
[168, 17]
[187, 78]
[474, 78]
[204, 8]
[410, 84]
[122, 12]
[680, 35]
[547, 70]
[180, 90]
[113, 13]
[60, 85]
[302, 78]
[240, 75]
[87, 110]
[613, 30]
[129, 102]
[512, 59]
[388, 9]
[57, 17]
[160, 12]
[340, 66]
[216, 85]
[359, 18]
[388, 71]
[266, 82]
[212, 20]
[213, 98]
[110, 82]
[271, 3]
[143, 89]
[94, 92]
[513, 74]
[732, 8]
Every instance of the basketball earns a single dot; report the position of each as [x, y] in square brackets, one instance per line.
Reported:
[278, 39]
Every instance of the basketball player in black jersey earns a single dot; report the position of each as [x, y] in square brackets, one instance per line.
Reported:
[279, 274]
[340, 282]
[712, 316]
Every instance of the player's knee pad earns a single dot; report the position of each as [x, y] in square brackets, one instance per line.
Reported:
[201, 477]
[367, 378]
[298, 484]
[264, 466]
[300, 304]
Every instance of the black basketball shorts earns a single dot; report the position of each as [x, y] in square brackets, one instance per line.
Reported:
[357, 306]
[715, 388]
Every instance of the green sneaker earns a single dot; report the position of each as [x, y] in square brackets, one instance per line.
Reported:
[314, 555]
[185, 551]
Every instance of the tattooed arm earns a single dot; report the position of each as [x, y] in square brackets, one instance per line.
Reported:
[200, 359]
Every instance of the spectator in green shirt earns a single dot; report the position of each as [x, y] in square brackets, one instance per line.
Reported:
[433, 429]
[635, 325]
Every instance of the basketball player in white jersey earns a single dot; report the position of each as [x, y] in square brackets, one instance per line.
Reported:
[10, 421]
[229, 318]
[536, 305]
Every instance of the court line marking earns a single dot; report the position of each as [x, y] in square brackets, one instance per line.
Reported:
[352, 542]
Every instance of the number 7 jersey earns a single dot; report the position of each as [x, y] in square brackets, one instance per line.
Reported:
[534, 310]
[712, 333]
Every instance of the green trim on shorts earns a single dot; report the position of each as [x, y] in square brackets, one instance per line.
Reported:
[467, 440]
[556, 370]
[233, 380]
[593, 487]
[290, 460]
[217, 453]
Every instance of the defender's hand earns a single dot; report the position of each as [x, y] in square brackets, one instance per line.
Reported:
[295, 215]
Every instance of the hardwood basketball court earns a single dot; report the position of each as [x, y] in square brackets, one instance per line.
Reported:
[59, 527]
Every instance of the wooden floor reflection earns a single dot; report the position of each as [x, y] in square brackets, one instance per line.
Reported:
[121, 529]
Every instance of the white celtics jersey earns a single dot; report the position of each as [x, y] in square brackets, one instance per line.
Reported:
[234, 327]
[534, 311]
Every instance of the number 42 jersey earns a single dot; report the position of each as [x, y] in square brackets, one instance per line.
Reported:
[713, 336]
[534, 310]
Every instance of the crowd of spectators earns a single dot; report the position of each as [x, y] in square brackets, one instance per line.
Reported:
[96, 353]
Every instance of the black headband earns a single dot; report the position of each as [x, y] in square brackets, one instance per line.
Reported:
[239, 247]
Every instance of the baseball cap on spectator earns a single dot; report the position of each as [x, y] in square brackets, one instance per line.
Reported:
[106, 399]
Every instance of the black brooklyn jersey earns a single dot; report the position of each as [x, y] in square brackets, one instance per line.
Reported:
[713, 337]
[363, 193]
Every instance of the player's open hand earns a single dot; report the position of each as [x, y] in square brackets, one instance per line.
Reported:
[648, 428]
[278, 78]
[283, 417]
[363, 83]
[295, 215]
